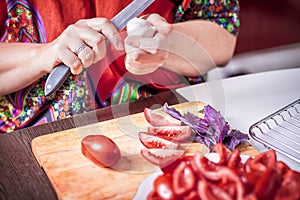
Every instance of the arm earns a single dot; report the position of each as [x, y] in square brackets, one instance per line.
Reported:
[21, 64]
[193, 47]
[198, 47]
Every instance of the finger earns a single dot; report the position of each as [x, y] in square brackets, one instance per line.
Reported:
[85, 33]
[161, 24]
[86, 57]
[99, 51]
[140, 27]
[136, 54]
[145, 57]
[139, 69]
[142, 56]
[151, 45]
[105, 27]
[70, 59]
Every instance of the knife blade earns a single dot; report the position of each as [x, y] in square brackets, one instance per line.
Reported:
[61, 72]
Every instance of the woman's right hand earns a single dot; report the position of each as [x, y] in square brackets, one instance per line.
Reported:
[83, 43]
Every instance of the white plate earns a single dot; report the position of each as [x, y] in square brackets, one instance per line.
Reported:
[147, 185]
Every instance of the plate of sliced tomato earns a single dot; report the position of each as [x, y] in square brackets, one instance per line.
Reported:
[147, 186]
[222, 175]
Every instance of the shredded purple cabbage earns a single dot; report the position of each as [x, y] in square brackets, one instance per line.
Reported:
[211, 129]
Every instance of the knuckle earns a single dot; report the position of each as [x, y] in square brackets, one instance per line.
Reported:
[75, 64]
[71, 27]
[89, 54]
[80, 21]
[99, 38]
[103, 21]
[154, 16]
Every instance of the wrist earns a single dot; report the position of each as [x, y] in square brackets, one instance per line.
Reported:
[46, 62]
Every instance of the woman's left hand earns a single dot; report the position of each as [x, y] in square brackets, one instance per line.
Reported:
[146, 45]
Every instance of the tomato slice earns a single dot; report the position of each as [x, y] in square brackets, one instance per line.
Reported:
[169, 169]
[161, 157]
[267, 184]
[184, 179]
[156, 118]
[153, 142]
[176, 133]
[164, 188]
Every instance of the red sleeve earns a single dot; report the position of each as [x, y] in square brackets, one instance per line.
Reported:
[3, 15]
[58, 15]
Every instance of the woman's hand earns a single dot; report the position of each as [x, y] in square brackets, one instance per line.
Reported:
[146, 45]
[83, 43]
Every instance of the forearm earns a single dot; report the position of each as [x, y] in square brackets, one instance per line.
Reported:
[197, 46]
[20, 65]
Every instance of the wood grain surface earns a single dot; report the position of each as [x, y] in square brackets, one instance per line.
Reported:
[21, 175]
[73, 176]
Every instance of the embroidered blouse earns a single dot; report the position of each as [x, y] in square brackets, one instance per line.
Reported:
[106, 83]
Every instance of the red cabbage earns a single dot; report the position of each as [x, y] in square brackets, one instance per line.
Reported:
[211, 129]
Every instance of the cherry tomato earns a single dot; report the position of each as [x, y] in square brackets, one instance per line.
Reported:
[101, 150]
[156, 118]
[176, 133]
[153, 142]
[163, 187]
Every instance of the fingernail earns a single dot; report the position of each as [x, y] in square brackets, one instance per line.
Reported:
[129, 40]
[120, 45]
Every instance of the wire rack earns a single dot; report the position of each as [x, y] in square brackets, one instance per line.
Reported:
[280, 131]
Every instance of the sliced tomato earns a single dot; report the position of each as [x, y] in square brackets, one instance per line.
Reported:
[164, 188]
[176, 133]
[267, 184]
[184, 179]
[154, 142]
[161, 157]
[156, 118]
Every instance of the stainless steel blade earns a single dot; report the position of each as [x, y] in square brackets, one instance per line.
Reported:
[60, 73]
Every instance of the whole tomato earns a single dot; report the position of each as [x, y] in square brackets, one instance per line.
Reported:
[100, 149]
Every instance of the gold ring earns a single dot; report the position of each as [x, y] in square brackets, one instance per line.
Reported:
[80, 48]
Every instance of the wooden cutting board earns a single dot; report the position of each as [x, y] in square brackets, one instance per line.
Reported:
[73, 176]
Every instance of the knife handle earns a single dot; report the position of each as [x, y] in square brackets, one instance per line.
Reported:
[56, 78]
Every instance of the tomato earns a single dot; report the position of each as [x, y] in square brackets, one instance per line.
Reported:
[161, 157]
[220, 149]
[164, 188]
[172, 166]
[184, 179]
[101, 150]
[153, 142]
[156, 118]
[290, 185]
[234, 160]
[177, 133]
[267, 184]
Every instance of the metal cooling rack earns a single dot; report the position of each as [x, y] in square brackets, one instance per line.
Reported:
[280, 131]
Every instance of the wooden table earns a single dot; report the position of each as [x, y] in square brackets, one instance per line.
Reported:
[21, 177]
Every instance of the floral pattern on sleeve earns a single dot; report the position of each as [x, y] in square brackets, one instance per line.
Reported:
[222, 12]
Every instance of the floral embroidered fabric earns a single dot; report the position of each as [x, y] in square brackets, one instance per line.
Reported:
[29, 107]
[222, 12]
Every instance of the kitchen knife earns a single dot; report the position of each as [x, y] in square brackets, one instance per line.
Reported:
[61, 72]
